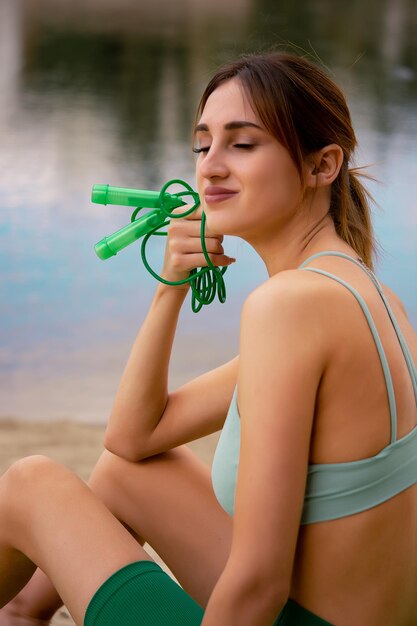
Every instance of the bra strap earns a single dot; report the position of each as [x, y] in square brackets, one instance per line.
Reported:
[405, 350]
[378, 343]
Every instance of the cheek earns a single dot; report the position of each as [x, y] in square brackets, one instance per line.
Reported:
[274, 183]
[283, 178]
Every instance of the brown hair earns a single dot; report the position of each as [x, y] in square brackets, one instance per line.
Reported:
[305, 110]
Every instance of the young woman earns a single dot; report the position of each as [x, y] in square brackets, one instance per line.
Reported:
[310, 515]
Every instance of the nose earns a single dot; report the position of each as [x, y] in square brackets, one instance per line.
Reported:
[213, 164]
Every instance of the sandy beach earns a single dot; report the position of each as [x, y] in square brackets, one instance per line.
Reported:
[76, 445]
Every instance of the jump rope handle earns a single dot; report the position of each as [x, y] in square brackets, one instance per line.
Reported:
[206, 282]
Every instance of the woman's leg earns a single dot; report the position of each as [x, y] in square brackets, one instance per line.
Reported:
[168, 500]
[49, 517]
[35, 605]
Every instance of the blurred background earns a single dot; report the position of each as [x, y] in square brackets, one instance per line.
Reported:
[105, 91]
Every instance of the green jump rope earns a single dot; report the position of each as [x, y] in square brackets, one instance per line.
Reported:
[205, 282]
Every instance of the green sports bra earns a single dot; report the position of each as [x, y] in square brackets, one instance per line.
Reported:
[335, 490]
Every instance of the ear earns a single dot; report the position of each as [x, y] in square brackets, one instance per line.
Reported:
[323, 167]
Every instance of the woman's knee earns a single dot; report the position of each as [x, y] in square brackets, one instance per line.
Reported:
[108, 478]
[26, 479]
[27, 471]
[111, 470]
[120, 483]
[106, 473]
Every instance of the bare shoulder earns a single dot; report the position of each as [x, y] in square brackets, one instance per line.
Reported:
[290, 295]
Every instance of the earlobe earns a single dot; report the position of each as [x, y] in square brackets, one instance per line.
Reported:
[324, 166]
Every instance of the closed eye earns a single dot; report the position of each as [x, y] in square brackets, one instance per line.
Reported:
[240, 146]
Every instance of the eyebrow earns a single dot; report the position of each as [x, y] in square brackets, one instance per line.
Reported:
[229, 126]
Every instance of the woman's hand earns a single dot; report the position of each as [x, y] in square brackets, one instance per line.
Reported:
[184, 251]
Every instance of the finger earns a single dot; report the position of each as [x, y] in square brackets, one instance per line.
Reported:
[197, 214]
[210, 233]
[190, 228]
[193, 245]
[194, 260]
[186, 207]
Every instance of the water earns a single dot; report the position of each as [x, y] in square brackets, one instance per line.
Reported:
[106, 93]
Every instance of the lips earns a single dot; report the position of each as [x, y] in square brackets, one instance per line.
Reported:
[218, 194]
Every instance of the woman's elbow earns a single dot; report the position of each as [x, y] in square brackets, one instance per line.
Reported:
[277, 598]
[262, 595]
[273, 596]
[122, 446]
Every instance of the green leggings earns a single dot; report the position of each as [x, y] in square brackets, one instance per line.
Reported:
[142, 594]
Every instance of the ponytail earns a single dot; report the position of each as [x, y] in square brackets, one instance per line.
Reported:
[350, 210]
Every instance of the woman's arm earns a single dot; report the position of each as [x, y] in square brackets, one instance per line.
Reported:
[282, 359]
[144, 419]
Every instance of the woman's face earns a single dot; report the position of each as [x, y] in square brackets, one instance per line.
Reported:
[247, 181]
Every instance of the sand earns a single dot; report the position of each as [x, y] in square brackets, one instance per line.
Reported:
[76, 445]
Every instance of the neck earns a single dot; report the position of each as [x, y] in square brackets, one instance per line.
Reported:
[305, 234]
